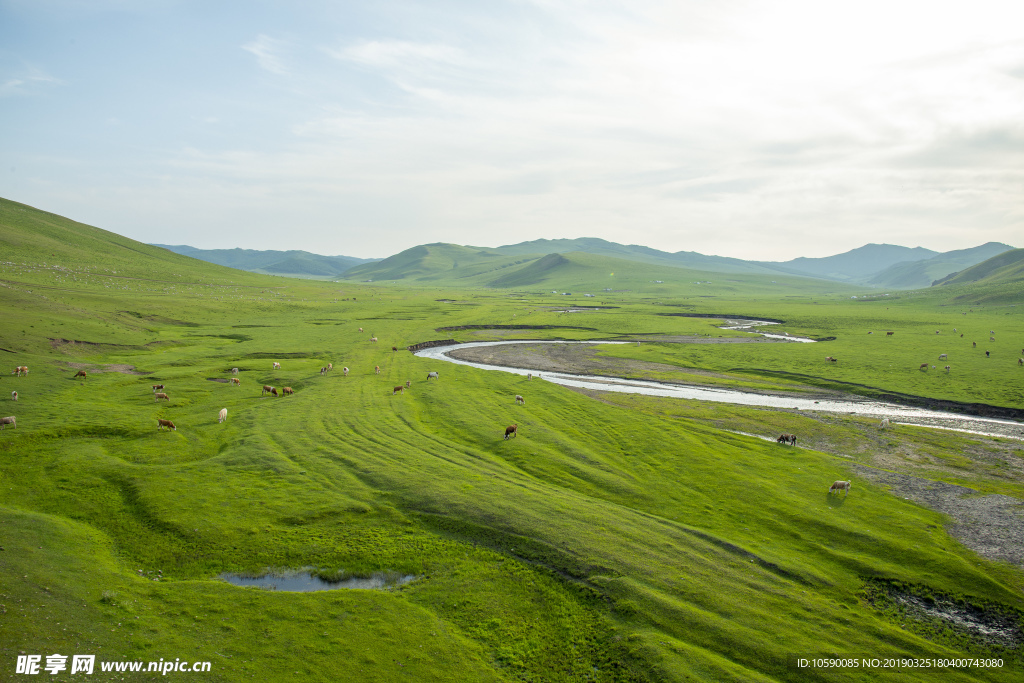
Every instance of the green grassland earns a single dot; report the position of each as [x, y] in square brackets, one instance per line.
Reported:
[607, 542]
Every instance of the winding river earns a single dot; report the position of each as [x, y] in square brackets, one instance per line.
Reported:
[866, 407]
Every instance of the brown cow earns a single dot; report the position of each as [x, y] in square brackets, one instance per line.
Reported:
[398, 389]
[20, 370]
[394, 348]
[511, 430]
[274, 391]
[165, 423]
[924, 366]
[287, 390]
[160, 395]
[889, 334]
[520, 400]
[786, 438]
[376, 370]
[81, 373]
[237, 382]
[157, 387]
[408, 384]
[1020, 361]
[330, 366]
[266, 389]
[838, 486]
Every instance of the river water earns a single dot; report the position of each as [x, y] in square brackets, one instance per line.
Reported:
[866, 407]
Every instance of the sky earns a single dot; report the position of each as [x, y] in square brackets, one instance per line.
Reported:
[758, 130]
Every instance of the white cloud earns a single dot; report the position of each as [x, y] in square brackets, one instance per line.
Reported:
[268, 53]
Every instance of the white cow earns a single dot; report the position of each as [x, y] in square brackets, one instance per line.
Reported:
[14, 395]
[838, 486]
[432, 375]
[884, 424]
[277, 366]
[222, 416]
[520, 400]
[4, 421]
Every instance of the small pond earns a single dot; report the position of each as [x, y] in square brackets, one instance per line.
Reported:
[303, 581]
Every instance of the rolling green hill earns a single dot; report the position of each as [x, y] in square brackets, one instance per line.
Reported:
[439, 260]
[50, 241]
[634, 252]
[1006, 268]
[916, 274]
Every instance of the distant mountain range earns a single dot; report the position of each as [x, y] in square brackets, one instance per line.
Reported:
[292, 263]
[874, 265]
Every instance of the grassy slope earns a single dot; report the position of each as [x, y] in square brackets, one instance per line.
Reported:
[602, 543]
[1007, 267]
[923, 273]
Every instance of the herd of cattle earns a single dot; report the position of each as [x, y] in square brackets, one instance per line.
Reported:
[510, 432]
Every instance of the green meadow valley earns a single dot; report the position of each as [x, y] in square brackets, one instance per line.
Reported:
[616, 537]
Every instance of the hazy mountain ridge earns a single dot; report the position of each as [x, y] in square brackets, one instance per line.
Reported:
[919, 274]
[875, 265]
[292, 262]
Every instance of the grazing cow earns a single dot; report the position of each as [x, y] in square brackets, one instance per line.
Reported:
[838, 486]
[529, 375]
[274, 391]
[373, 339]
[286, 391]
[961, 335]
[222, 416]
[884, 424]
[432, 375]
[991, 338]
[237, 382]
[158, 387]
[1020, 361]
[941, 356]
[511, 430]
[165, 423]
[360, 329]
[408, 384]
[831, 359]
[4, 421]
[344, 371]
[160, 395]
[889, 334]
[986, 354]
[277, 366]
[923, 366]
[520, 400]
[266, 389]
[330, 366]
[20, 370]
[394, 349]
[974, 345]
[947, 368]
[14, 395]
[786, 438]
[376, 369]
[234, 371]
[870, 332]
[397, 389]
[81, 373]
[323, 371]
[991, 331]
[936, 331]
